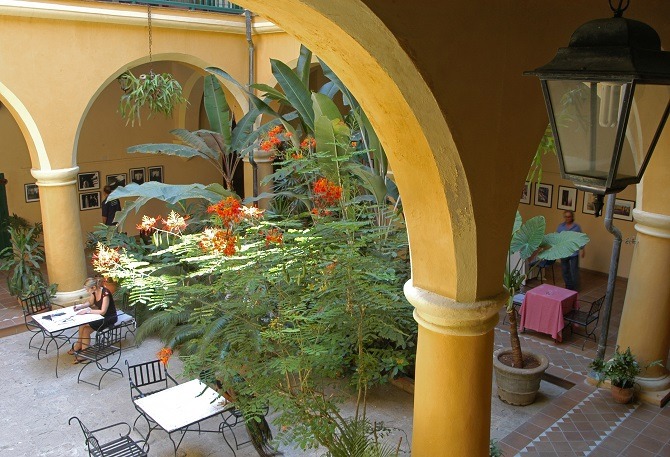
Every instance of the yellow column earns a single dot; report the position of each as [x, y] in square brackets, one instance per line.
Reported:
[63, 243]
[452, 394]
[646, 314]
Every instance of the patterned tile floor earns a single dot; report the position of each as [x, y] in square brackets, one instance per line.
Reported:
[584, 421]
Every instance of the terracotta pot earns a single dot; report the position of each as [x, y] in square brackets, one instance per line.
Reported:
[622, 396]
[518, 386]
[110, 285]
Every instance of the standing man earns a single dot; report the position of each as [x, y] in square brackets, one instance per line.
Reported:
[570, 265]
[109, 207]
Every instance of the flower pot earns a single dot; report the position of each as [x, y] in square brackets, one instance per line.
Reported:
[518, 386]
[110, 285]
[622, 395]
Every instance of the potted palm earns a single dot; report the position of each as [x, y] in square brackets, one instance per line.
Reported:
[518, 373]
[620, 371]
[23, 260]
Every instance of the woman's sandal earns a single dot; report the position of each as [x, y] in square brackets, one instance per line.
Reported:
[77, 360]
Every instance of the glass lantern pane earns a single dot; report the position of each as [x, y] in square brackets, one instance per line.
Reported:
[646, 113]
[587, 121]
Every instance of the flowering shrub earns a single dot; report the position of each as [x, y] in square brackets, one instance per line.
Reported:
[164, 355]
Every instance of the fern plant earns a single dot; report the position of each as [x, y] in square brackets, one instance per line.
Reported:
[159, 92]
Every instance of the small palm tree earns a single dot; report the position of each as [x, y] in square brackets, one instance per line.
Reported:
[530, 241]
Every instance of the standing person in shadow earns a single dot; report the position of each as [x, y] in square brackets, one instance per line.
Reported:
[109, 207]
[570, 265]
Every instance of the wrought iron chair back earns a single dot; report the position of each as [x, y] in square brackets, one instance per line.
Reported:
[124, 446]
[107, 345]
[585, 319]
[37, 303]
[145, 379]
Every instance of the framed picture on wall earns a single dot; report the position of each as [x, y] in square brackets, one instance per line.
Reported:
[543, 195]
[588, 207]
[525, 193]
[118, 180]
[156, 173]
[32, 193]
[88, 181]
[623, 209]
[89, 200]
[567, 198]
[137, 175]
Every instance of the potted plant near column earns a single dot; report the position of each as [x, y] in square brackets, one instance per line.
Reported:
[23, 260]
[620, 371]
[518, 373]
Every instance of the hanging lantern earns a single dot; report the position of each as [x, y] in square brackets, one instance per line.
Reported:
[608, 98]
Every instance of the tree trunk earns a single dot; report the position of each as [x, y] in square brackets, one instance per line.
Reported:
[514, 339]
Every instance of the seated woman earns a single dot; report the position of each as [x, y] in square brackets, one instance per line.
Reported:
[101, 302]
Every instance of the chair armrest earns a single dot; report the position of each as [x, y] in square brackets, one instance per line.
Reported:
[169, 376]
[112, 426]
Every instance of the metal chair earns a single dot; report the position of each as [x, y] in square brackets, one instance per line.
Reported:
[538, 270]
[37, 303]
[107, 345]
[580, 318]
[145, 379]
[123, 446]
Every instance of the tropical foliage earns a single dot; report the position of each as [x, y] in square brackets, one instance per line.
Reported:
[160, 92]
[530, 241]
[289, 310]
[23, 259]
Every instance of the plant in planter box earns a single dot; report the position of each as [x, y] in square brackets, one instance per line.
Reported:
[519, 379]
[621, 371]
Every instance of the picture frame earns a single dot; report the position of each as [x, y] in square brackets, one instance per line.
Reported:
[588, 207]
[623, 209]
[155, 173]
[88, 181]
[543, 195]
[117, 180]
[525, 193]
[567, 198]
[136, 175]
[32, 193]
[89, 200]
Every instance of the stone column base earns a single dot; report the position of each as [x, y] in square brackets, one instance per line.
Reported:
[69, 298]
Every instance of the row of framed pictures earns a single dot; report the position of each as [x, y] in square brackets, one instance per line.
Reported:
[567, 200]
[91, 180]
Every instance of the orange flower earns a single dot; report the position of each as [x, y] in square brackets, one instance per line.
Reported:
[274, 235]
[229, 210]
[175, 223]
[148, 224]
[218, 240]
[105, 258]
[164, 356]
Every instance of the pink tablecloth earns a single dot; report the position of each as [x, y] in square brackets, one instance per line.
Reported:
[543, 309]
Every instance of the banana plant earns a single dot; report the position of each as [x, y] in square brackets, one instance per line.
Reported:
[530, 241]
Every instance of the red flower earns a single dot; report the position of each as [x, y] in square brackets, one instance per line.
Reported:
[229, 210]
[164, 355]
[274, 235]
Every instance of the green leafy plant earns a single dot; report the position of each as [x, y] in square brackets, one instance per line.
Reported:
[160, 92]
[23, 259]
[529, 241]
[621, 369]
[494, 449]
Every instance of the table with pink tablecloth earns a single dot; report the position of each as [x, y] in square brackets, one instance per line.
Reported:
[543, 309]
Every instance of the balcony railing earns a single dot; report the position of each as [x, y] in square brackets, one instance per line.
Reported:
[219, 6]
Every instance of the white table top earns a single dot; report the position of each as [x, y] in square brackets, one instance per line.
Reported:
[182, 405]
[63, 319]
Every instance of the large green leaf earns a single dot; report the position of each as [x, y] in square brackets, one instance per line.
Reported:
[296, 92]
[261, 106]
[324, 106]
[326, 144]
[243, 131]
[217, 109]
[170, 149]
[562, 245]
[271, 93]
[303, 67]
[171, 193]
[372, 181]
[192, 139]
[529, 237]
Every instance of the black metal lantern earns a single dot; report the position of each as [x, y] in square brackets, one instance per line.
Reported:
[608, 97]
